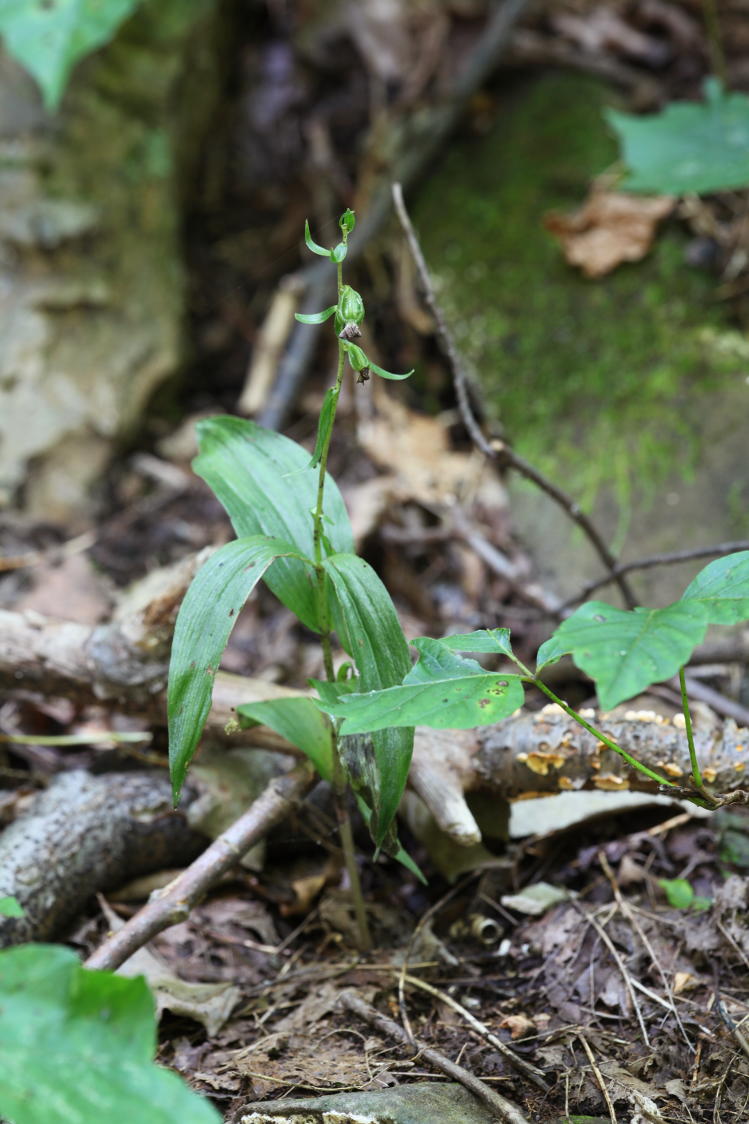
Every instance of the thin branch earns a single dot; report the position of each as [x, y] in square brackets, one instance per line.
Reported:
[175, 902]
[504, 1110]
[531, 1072]
[656, 560]
[498, 450]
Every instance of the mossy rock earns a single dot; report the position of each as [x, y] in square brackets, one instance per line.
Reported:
[631, 390]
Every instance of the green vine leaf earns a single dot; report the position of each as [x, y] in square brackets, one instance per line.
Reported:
[443, 691]
[722, 588]
[625, 652]
[49, 37]
[206, 617]
[79, 1046]
[688, 148]
[488, 640]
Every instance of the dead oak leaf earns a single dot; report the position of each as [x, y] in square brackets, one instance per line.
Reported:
[610, 228]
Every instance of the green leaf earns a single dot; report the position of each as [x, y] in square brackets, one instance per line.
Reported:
[300, 722]
[11, 907]
[78, 1046]
[723, 589]
[388, 374]
[338, 253]
[688, 148]
[369, 630]
[443, 691]
[483, 640]
[312, 245]
[625, 652]
[324, 425]
[268, 488]
[679, 893]
[48, 37]
[315, 317]
[206, 617]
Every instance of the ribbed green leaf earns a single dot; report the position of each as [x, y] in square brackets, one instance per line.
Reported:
[722, 588]
[206, 617]
[300, 722]
[370, 631]
[324, 425]
[10, 907]
[78, 1046]
[268, 488]
[625, 652]
[443, 691]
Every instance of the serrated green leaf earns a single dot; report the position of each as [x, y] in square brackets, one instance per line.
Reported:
[267, 487]
[79, 1046]
[11, 907]
[310, 243]
[688, 148]
[49, 37]
[388, 374]
[324, 425]
[443, 691]
[369, 630]
[722, 588]
[300, 722]
[625, 652]
[315, 317]
[206, 617]
[338, 253]
[487, 640]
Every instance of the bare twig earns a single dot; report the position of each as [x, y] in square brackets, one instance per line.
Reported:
[599, 1077]
[531, 1072]
[495, 449]
[503, 1109]
[655, 560]
[174, 903]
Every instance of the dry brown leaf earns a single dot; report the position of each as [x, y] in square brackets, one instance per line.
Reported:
[610, 228]
[417, 449]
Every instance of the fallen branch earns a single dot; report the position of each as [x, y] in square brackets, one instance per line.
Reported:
[82, 834]
[174, 902]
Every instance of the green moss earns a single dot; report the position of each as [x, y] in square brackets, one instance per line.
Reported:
[589, 378]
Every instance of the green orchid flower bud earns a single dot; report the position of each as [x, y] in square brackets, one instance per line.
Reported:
[351, 305]
[347, 221]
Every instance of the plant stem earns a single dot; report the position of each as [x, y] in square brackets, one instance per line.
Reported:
[696, 774]
[345, 831]
[632, 761]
